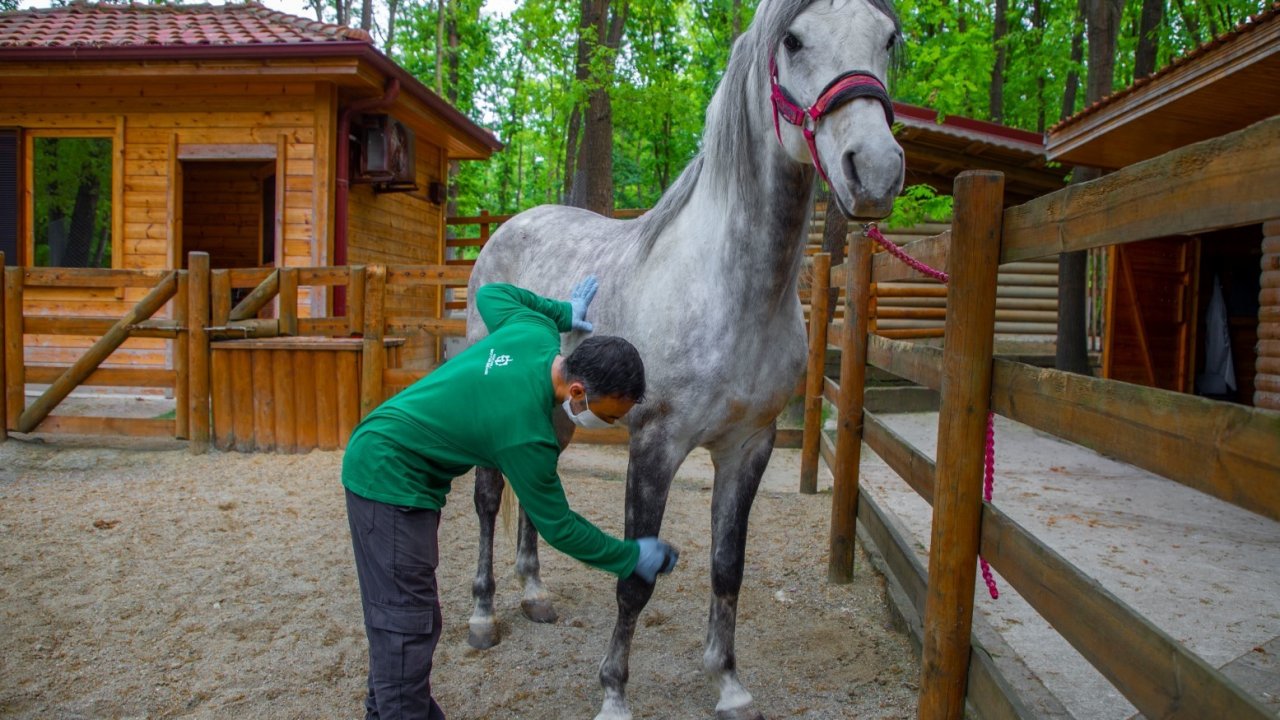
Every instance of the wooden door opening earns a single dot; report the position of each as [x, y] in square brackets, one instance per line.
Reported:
[228, 211]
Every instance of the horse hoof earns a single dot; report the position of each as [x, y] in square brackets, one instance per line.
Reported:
[746, 712]
[483, 637]
[539, 611]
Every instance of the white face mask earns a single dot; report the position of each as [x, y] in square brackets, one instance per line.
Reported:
[586, 418]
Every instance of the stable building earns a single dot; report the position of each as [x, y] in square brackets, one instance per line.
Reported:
[132, 135]
[1191, 313]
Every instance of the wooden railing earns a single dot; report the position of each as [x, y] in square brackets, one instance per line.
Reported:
[1224, 450]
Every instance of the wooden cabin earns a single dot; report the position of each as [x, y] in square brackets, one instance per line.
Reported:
[132, 135]
[1175, 306]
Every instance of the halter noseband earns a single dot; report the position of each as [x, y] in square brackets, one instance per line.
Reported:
[846, 87]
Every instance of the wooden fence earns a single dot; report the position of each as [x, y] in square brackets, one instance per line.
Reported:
[1224, 450]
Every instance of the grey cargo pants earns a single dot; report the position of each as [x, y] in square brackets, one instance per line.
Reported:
[396, 556]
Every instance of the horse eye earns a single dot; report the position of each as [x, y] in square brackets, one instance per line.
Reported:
[791, 42]
[893, 40]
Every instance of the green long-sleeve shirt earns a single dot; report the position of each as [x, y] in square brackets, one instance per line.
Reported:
[489, 406]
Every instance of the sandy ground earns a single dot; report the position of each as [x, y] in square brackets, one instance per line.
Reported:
[141, 581]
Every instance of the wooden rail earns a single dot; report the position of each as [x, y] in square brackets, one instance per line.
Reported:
[1224, 450]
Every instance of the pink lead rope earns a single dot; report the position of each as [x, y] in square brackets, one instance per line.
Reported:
[870, 230]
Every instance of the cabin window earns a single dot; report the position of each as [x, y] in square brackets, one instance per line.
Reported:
[71, 201]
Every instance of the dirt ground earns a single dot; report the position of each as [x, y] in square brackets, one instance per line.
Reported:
[144, 582]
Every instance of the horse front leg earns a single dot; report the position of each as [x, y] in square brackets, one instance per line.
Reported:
[483, 626]
[738, 472]
[652, 466]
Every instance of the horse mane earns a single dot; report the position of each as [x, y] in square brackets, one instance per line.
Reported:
[726, 155]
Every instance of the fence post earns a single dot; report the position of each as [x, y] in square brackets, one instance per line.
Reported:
[4, 406]
[198, 350]
[182, 358]
[373, 355]
[962, 422]
[14, 357]
[288, 315]
[819, 318]
[853, 376]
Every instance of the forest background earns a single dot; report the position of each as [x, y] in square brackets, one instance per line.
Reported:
[600, 102]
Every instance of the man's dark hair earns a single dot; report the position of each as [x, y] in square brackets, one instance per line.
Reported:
[609, 366]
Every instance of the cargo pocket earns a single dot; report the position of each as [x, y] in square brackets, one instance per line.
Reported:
[407, 620]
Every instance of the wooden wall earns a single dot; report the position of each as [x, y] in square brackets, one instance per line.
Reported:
[403, 228]
[222, 212]
[1267, 380]
[152, 125]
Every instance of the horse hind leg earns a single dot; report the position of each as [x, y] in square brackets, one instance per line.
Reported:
[650, 470]
[738, 474]
[536, 603]
[483, 625]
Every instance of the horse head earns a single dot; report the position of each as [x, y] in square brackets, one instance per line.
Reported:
[827, 71]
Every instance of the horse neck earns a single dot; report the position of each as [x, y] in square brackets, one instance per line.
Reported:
[760, 244]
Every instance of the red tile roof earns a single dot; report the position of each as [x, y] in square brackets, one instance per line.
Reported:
[84, 25]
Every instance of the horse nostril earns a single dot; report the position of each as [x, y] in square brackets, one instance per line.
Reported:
[851, 169]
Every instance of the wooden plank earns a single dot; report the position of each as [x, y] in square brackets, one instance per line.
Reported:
[96, 354]
[264, 401]
[327, 326]
[427, 274]
[437, 326]
[348, 386]
[401, 378]
[1225, 450]
[815, 373]
[228, 151]
[373, 356]
[221, 402]
[288, 301]
[326, 385]
[92, 277]
[921, 364]
[1155, 672]
[853, 371]
[14, 360]
[92, 425]
[285, 408]
[304, 402]
[242, 403]
[1223, 182]
[901, 456]
[106, 377]
[355, 301]
[962, 423]
[219, 297]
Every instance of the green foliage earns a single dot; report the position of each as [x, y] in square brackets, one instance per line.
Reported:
[916, 204]
[516, 76]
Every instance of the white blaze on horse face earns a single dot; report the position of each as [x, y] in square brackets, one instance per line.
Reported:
[855, 142]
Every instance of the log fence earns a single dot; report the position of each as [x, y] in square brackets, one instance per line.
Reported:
[1224, 450]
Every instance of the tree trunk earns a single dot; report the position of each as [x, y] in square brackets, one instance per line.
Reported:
[1072, 346]
[440, 10]
[591, 178]
[737, 21]
[1148, 38]
[1077, 57]
[999, 32]
[393, 7]
[1037, 25]
[366, 15]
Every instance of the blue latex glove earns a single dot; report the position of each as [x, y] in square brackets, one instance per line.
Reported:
[579, 299]
[656, 557]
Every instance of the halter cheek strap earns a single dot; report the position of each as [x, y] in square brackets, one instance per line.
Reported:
[848, 86]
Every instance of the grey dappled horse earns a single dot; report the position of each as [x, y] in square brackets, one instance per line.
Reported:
[704, 285]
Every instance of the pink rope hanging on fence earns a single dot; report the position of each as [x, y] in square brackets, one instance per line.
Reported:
[871, 230]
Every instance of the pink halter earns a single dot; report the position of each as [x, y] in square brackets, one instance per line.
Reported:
[846, 87]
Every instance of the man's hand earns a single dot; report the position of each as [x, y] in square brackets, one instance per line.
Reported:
[580, 298]
[656, 557]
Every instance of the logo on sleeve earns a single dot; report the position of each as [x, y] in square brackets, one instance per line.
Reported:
[496, 360]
